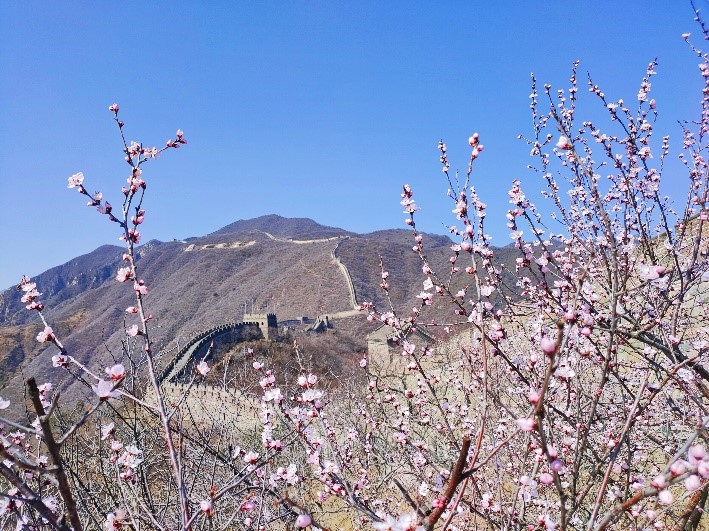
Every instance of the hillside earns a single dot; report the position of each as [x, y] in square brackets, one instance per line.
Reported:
[269, 263]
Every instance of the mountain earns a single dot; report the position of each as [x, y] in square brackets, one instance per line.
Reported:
[283, 265]
[296, 228]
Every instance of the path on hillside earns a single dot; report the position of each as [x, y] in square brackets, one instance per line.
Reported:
[343, 268]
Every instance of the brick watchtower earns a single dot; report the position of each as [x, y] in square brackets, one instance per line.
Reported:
[267, 322]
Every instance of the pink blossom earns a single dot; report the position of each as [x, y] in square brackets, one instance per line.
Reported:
[46, 335]
[251, 457]
[123, 274]
[697, 452]
[202, 368]
[113, 108]
[303, 520]
[692, 483]
[30, 296]
[114, 521]
[486, 291]
[4, 404]
[30, 291]
[703, 469]
[107, 430]
[131, 235]
[405, 522]
[60, 360]
[116, 373]
[247, 506]
[425, 297]
[665, 497]
[461, 209]
[95, 199]
[439, 502]
[267, 380]
[564, 143]
[151, 153]
[678, 468]
[525, 424]
[76, 180]
[273, 394]
[533, 396]
[565, 372]
[311, 395]
[409, 206]
[659, 482]
[131, 309]
[206, 507]
[546, 478]
[650, 272]
[548, 345]
[104, 390]
[133, 331]
[140, 287]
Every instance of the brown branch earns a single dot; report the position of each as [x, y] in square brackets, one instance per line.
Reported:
[54, 451]
[29, 497]
[456, 478]
[625, 506]
[694, 511]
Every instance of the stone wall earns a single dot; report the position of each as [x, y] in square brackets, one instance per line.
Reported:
[206, 405]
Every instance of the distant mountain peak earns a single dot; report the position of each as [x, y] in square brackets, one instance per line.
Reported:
[281, 227]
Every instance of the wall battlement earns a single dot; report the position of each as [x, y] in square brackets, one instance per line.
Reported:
[253, 326]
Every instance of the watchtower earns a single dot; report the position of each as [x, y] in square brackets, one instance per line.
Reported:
[267, 322]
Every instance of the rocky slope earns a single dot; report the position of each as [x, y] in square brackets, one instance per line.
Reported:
[269, 263]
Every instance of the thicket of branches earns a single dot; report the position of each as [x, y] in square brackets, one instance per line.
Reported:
[579, 403]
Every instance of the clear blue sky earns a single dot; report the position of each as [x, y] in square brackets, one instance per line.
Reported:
[307, 109]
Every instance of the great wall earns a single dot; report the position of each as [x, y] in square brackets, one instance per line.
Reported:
[207, 404]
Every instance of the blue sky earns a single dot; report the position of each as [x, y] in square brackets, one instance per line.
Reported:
[303, 109]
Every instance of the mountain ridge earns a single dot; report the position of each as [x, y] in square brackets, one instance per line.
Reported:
[285, 265]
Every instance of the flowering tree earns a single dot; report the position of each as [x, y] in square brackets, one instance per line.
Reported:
[571, 393]
[136, 458]
[574, 397]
